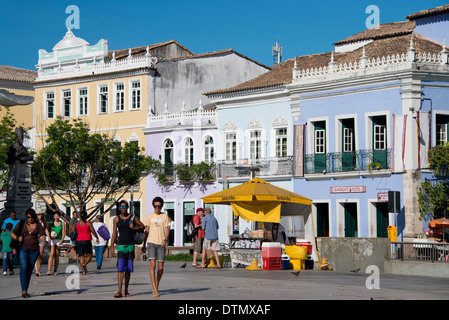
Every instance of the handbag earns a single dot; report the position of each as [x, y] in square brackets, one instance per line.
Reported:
[139, 236]
[74, 234]
[16, 244]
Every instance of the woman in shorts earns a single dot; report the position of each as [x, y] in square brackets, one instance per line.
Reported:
[57, 235]
[83, 242]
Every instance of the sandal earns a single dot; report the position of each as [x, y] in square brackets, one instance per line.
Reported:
[127, 294]
[155, 294]
[117, 295]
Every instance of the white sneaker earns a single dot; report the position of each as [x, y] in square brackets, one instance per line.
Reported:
[5, 274]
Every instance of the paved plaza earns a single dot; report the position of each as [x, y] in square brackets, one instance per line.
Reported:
[230, 284]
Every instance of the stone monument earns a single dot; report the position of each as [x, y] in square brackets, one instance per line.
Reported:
[18, 196]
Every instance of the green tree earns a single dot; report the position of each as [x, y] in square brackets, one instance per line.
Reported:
[433, 195]
[77, 165]
[7, 137]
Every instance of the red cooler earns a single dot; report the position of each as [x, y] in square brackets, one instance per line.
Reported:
[304, 243]
[271, 256]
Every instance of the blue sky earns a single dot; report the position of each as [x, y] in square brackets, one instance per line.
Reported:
[250, 27]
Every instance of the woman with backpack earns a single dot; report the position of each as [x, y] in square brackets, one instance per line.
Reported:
[100, 247]
[56, 229]
[84, 230]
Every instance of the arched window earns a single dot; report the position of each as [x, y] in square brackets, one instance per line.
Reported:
[168, 152]
[209, 150]
[188, 151]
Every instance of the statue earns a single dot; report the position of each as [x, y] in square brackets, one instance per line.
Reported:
[17, 152]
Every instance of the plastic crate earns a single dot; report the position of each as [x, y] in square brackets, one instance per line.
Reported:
[272, 263]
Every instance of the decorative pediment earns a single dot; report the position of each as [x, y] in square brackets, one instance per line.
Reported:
[254, 124]
[280, 121]
[230, 126]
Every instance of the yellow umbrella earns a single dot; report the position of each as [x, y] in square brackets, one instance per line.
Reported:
[258, 200]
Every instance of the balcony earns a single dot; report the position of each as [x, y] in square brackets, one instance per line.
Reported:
[266, 167]
[336, 162]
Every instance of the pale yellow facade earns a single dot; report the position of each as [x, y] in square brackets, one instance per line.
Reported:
[114, 104]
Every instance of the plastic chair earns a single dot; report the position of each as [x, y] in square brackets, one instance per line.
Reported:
[225, 252]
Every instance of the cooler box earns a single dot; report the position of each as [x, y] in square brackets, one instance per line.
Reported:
[271, 250]
[309, 264]
[272, 263]
[304, 243]
[285, 262]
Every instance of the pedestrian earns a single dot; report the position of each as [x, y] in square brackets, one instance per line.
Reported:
[72, 222]
[56, 228]
[7, 251]
[29, 234]
[102, 244]
[13, 220]
[171, 235]
[41, 219]
[157, 231]
[83, 241]
[123, 229]
[211, 242]
[198, 237]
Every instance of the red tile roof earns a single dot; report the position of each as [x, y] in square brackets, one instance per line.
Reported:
[429, 12]
[281, 73]
[9, 73]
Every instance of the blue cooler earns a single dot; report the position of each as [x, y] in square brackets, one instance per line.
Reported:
[285, 259]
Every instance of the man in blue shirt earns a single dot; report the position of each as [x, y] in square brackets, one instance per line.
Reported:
[211, 242]
[12, 219]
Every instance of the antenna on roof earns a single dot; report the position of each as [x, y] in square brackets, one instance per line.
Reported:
[277, 52]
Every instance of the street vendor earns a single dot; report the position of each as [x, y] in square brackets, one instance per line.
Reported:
[277, 232]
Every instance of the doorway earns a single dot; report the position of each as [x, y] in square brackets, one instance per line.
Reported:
[382, 219]
[350, 212]
[322, 216]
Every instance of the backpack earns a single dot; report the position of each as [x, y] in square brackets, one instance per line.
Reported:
[191, 230]
[104, 232]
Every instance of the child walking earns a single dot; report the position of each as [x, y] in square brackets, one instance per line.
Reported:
[7, 252]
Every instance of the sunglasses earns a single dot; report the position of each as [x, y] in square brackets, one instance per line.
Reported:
[157, 206]
[123, 207]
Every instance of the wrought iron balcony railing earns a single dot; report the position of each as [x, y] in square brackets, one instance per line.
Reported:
[361, 160]
[264, 167]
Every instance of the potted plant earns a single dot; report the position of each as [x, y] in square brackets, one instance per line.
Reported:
[204, 172]
[375, 165]
[184, 173]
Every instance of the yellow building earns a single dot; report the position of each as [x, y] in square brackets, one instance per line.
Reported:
[117, 92]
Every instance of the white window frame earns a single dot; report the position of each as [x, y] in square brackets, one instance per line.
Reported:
[64, 97]
[339, 135]
[229, 145]
[82, 110]
[172, 147]
[320, 143]
[209, 149]
[279, 142]
[369, 128]
[310, 134]
[48, 97]
[116, 92]
[189, 151]
[138, 92]
[253, 147]
[100, 94]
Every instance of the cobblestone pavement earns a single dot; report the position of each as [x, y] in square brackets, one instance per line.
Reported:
[238, 284]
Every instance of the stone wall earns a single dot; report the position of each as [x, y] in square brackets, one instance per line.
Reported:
[346, 254]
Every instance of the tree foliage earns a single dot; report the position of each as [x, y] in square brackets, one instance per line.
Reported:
[433, 195]
[7, 137]
[78, 165]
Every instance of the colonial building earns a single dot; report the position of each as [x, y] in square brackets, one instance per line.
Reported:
[183, 135]
[118, 92]
[358, 121]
